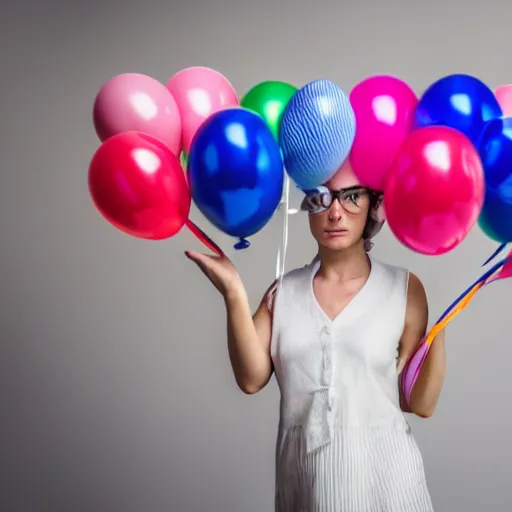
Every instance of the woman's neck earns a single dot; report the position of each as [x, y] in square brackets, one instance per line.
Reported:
[345, 264]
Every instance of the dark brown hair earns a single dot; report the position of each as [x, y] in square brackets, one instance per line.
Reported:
[373, 222]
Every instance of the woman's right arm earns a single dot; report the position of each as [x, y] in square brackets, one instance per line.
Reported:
[249, 339]
[248, 336]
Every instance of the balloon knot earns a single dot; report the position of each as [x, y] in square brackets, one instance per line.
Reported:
[242, 244]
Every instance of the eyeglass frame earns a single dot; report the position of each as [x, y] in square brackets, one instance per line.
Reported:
[374, 196]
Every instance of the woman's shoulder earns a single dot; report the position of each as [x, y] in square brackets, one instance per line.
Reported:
[391, 268]
[292, 277]
[391, 276]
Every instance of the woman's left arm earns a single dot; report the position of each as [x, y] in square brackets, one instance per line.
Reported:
[427, 389]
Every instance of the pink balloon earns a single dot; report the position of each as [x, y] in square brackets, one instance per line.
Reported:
[135, 102]
[504, 96]
[411, 371]
[199, 92]
[506, 271]
[384, 107]
[434, 190]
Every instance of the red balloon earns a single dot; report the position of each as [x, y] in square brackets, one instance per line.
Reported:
[434, 190]
[139, 186]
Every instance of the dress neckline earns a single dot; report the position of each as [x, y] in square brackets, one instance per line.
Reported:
[357, 304]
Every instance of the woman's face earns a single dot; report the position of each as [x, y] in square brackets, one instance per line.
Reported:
[342, 224]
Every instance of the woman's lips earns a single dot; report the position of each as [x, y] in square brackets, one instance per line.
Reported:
[335, 232]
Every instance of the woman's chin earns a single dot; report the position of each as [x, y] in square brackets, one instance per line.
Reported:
[337, 242]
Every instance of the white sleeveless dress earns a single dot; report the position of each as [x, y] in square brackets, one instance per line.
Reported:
[343, 445]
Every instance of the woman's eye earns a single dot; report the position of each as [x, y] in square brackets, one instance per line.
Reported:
[315, 200]
[355, 197]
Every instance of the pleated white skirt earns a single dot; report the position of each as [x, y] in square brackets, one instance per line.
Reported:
[361, 470]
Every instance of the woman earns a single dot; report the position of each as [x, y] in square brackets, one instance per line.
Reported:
[337, 333]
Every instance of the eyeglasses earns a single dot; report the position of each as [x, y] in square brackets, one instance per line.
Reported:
[321, 199]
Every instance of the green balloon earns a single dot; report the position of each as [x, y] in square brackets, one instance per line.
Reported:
[184, 160]
[269, 100]
[489, 231]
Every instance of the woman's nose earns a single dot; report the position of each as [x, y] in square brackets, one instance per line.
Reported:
[335, 211]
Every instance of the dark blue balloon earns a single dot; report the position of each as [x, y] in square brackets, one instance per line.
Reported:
[458, 101]
[495, 149]
[236, 173]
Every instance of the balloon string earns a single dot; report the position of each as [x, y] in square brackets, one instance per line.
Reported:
[204, 238]
[411, 371]
[484, 277]
[459, 308]
[494, 254]
[281, 254]
[285, 225]
[463, 301]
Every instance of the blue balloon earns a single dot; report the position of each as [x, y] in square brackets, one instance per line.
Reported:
[317, 131]
[458, 101]
[236, 172]
[495, 149]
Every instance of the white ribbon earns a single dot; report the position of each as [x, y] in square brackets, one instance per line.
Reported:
[281, 253]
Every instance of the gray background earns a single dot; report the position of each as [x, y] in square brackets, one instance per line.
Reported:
[117, 394]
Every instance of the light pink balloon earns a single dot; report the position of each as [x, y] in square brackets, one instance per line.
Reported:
[199, 92]
[504, 96]
[135, 102]
[384, 107]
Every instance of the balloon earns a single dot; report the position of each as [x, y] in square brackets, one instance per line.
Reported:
[495, 149]
[138, 185]
[184, 160]
[506, 271]
[434, 190]
[384, 107]
[458, 101]
[317, 132]
[269, 99]
[504, 96]
[236, 173]
[135, 102]
[199, 92]
[411, 371]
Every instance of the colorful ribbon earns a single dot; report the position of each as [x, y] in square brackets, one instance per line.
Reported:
[204, 238]
[411, 371]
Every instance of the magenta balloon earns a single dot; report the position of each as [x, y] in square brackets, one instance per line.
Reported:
[135, 102]
[384, 107]
[411, 371]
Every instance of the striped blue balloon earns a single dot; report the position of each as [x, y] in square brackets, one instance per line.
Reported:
[317, 132]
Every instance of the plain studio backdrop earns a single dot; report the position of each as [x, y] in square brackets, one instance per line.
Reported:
[117, 393]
